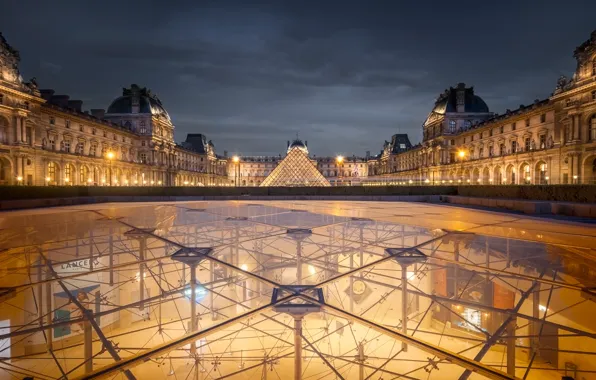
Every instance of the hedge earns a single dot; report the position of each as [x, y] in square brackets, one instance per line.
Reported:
[566, 193]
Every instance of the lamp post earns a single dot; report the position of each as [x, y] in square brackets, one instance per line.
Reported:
[461, 154]
[236, 161]
[110, 157]
[340, 161]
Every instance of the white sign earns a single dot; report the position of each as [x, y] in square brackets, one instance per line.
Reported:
[82, 265]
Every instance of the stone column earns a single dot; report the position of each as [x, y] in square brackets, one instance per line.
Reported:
[23, 130]
[576, 127]
[18, 130]
[19, 165]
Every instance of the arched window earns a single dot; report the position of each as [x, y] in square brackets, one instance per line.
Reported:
[593, 127]
[51, 179]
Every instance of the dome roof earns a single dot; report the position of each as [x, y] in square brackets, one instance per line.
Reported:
[147, 103]
[447, 101]
[297, 143]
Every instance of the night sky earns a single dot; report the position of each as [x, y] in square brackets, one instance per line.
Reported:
[345, 75]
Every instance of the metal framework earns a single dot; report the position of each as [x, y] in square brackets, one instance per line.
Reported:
[275, 290]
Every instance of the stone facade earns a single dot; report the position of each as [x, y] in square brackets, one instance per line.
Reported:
[46, 139]
[550, 141]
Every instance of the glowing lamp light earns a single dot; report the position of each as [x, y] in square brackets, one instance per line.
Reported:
[144, 182]
[450, 181]
[461, 154]
[66, 180]
[159, 182]
[89, 180]
[152, 182]
[410, 182]
[48, 179]
[478, 180]
[136, 182]
[244, 267]
[19, 178]
[340, 159]
[574, 177]
[110, 155]
[236, 159]
[103, 180]
[312, 269]
[186, 182]
[547, 178]
[527, 178]
[426, 180]
[126, 182]
[542, 308]
[468, 181]
[410, 275]
[443, 181]
[138, 276]
[490, 180]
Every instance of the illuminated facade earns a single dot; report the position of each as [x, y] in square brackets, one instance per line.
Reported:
[46, 139]
[549, 141]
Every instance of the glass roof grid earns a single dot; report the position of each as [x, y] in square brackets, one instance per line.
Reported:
[545, 282]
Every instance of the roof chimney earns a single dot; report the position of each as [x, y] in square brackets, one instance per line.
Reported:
[47, 94]
[98, 112]
[460, 97]
[60, 100]
[77, 105]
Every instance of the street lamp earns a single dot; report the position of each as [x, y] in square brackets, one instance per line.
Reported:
[110, 157]
[48, 181]
[19, 180]
[340, 161]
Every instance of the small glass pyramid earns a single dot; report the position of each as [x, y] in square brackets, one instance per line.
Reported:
[295, 170]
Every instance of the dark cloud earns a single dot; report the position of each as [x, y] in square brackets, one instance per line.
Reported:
[345, 75]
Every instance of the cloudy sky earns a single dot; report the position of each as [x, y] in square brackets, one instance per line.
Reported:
[345, 75]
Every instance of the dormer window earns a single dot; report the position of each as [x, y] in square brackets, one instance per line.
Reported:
[452, 126]
[467, 124]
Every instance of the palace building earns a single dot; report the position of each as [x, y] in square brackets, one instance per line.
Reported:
[551, 140]
[47, 139]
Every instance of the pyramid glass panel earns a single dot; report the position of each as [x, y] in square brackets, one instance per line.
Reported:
[303, 290]
[295, 170]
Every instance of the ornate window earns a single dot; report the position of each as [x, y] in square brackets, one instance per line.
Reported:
[467, 124]
[52, 141]
[527, 144]
[66, 146]
[593, 128]
[481, 152]
[80, 148]
[513, 146]
[543, 141]
[452, 125]
[93, 150]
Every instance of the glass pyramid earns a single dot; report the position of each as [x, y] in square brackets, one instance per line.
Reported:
[296, 169]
